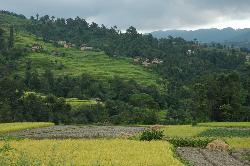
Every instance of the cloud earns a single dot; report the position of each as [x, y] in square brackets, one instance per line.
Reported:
[143, 14]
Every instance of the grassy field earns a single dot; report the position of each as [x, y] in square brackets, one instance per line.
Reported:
[73, 62]
[225, 132]
[183, 130]
[88, 153]
[226, 124]
[238, 143]
[78, 103]
[9, 127]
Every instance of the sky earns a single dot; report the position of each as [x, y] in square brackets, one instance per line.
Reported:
[145, 15]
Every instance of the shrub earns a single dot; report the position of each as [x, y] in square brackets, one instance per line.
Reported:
[190, 142]
[151, 134]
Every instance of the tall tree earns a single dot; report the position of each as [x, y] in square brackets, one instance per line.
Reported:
[11, 38]
[2, 42]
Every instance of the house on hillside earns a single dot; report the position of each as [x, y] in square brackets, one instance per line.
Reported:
[137, 60]
[190, 52]
[146, 63]
[36, 47]
[156, 61]
[69, 45]
[61, 43]
[85, 47]
[248, 58]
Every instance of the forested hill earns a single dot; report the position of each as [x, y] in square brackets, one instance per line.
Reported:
[133, 78]
[229, 36]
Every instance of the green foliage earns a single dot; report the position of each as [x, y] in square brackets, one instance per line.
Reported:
[226, 124]
[190, 142]
[246, 156]
[11, 38]
[225, 132]
[151, 134]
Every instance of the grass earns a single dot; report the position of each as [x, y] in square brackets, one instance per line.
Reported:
[9, 127]
[226, 124]
[76, 103]
[88, 153]
[225, 132]
[238, 143]
[183, 130]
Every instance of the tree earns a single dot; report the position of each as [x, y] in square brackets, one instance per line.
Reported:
[2, 40]
[143, 100]
[11, 38]
[37, 16]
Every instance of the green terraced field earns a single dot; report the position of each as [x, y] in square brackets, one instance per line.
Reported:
[75, 103]
[73, 62]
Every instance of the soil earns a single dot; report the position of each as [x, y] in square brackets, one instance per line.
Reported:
[204, 157]
[70, 131]
[242, 154]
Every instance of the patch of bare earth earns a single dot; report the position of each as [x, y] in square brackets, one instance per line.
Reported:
[71, 131]
[205, 157]
[243, 155]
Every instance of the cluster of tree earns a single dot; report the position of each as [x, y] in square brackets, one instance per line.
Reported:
[15, 106]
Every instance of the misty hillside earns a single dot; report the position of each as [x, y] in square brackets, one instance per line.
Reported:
[208, 35]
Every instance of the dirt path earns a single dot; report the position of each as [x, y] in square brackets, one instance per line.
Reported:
[71, 131]
[204, 157]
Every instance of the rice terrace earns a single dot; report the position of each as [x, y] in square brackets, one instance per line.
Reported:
[49, 144]
[124, 83]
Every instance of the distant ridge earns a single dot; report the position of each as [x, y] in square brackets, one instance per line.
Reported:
[208, 35]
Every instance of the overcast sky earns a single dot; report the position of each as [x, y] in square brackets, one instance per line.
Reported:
[145, 15]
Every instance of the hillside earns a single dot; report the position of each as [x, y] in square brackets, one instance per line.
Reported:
[73, 62]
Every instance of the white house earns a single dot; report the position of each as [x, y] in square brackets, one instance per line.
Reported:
[84, 47]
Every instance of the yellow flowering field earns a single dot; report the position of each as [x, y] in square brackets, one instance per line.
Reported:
[8, 127]
[114, 152]
[238, 143]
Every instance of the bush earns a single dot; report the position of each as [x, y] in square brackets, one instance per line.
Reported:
[190, 142]
[151, 134]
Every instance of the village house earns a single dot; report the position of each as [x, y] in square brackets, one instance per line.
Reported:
[137, 60]
[190, 52]
[84, 47]
[69, 45]
[248, 58]
[62, 43]
[156, 61]
[36, 47]
[146, 63]
[66, 46]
